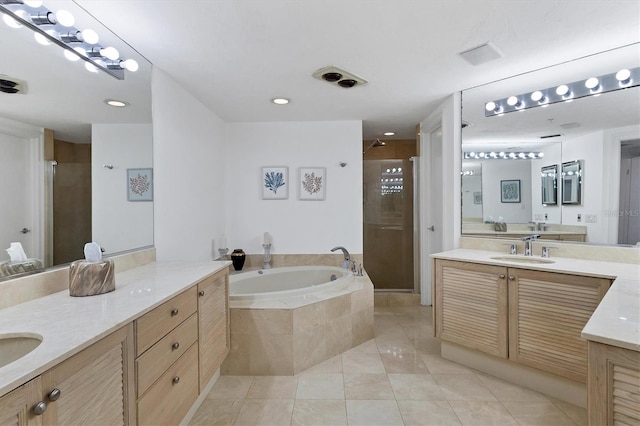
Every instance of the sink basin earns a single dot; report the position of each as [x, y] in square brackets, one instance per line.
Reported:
[14, 346]
[523, 259]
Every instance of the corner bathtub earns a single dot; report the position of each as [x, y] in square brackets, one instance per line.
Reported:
[285, 282]
[286, 320]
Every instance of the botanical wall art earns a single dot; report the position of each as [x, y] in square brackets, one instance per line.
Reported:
[275, 183]
[312, 182]
[510, 191]
[140, 184]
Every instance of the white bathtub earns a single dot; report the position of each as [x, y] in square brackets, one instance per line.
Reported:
[280, 283]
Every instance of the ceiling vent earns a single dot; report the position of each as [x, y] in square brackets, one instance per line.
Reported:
[339, 77]
[12, 85]
[481, 54]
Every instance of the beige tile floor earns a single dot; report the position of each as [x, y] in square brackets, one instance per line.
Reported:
[398, 378]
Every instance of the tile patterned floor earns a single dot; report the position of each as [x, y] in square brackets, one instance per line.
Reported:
[398, 378]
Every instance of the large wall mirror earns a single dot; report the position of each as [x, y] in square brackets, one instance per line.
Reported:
[592, 133]
[65, 155]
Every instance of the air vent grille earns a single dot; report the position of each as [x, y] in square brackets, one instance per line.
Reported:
[11, 85]
[339, 77]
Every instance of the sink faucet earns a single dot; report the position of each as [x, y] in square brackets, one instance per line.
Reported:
[528, 242]
[346, 263]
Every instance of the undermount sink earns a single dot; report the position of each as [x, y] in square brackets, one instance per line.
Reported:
[523, 259]
[14, 346]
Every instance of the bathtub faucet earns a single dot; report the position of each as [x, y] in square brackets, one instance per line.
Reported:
[346, 263]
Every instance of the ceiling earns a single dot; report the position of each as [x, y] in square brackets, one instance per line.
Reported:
[236, 55]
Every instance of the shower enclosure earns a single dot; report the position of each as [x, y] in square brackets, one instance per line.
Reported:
[388, 213]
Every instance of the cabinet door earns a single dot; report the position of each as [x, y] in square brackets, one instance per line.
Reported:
[213, 318]
[16, 407]
[95, 386]
[547, 312]
[471, 305]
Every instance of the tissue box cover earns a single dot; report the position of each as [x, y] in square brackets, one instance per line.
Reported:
[91, 278]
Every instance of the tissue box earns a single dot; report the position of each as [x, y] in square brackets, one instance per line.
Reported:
[91, 278]
[500, 226]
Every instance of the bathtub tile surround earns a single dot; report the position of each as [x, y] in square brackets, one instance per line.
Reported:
[284, 338]
[255, 261]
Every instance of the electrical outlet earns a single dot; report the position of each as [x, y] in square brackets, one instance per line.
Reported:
[538, 216]
[546, 216]
[591, 218]
[579, 217]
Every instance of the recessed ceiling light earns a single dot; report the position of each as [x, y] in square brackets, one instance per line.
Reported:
[116, 103]
[389, 133]
[280, 101]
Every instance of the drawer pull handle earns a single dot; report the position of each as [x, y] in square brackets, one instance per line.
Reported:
[40, 408]
[54, 395]
[174, 312]
[201, 293]
[512, 278]
[176, 380]
[175, 346]
[502, 276]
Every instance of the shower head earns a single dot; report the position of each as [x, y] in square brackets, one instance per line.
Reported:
[375, 144]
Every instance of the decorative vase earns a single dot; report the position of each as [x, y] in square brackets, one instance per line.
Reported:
[237, 258]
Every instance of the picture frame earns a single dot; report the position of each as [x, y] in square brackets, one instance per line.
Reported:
[140, 184]
[510, 191]
[312, 183]
[275, 183]
[477, 198]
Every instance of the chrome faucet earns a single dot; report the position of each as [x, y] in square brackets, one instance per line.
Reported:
[528, 243]
[346, 263]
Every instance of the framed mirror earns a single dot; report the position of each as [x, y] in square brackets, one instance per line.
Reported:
[549, 187]
[572, 182]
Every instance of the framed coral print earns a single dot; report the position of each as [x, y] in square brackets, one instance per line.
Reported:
[510, 191]
[275, 183]
[312, 183]
[140, 184]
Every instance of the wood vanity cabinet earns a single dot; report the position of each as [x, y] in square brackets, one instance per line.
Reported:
[213, 321]
[534, 318]
[94, 386]
[471, 305]
[613, 388]
[16, 407]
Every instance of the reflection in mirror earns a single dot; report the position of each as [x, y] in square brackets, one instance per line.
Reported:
[471, 177]
[66, 152]
[549, 185]
[591, 128]
[572, 182]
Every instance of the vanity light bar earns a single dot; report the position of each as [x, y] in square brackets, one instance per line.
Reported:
[593, 86]
[58, 28]
[529, 155]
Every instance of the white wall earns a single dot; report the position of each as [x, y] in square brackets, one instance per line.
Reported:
[188, 158]
[590, 149]
[495, 171]
[295, 226]
[119, 224]
[552, 156]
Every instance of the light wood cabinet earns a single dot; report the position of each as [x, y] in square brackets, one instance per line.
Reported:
[471, 305]
[213, 320]
[532, 317]
[613, 386]
[16, 407]
[94, 386]
[547, 312]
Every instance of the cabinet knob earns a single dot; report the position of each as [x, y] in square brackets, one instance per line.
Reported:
[201, 293]
[40, 408]
[511, 278]
[175, 346]
[502, 276]
[174, 312]
[54, 395]
[176, 380]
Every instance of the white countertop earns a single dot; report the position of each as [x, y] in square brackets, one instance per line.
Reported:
[616, 320]
[70, 324]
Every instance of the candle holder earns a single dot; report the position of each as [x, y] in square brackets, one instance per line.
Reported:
[266, 260]
[223, 253]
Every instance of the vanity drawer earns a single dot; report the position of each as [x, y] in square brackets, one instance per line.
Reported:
[171, 397]
[154, 325]
[154, 362]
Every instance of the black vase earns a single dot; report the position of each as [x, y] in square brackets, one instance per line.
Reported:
[237, 258]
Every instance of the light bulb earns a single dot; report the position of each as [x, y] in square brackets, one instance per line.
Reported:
[90, 67]
[472, 154]
[14, 23]
[65, 18]
[70, 56]
[562, 90]
[512, 101]
[481, 155]
[512, 155]
[501, 154]
[490, 106]
[623, 76]
[521, 155]
[110, 53]
[130, 65]
[33, 3]
[532, 155]
[592, 83]
[540, 154]
[90, 36]
[537, 96]
[42, 39]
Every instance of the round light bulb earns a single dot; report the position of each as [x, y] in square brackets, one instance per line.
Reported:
[513, 100]
[280, 101]
[536, 96]
[65, 18]
[41, 39]
[110, 53]
[623, 76]
[70, 56]
[90, 67]
[532, 155]
[540, 154]
[90, 36]
[33, 3]
[490, 106]
[562, 90]
[492, 154]
[481, 155]
[472, 154]
[592, 83]
[130, 65]
[501, 154]
[512, 155]
[521, 155]
[14, 23]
